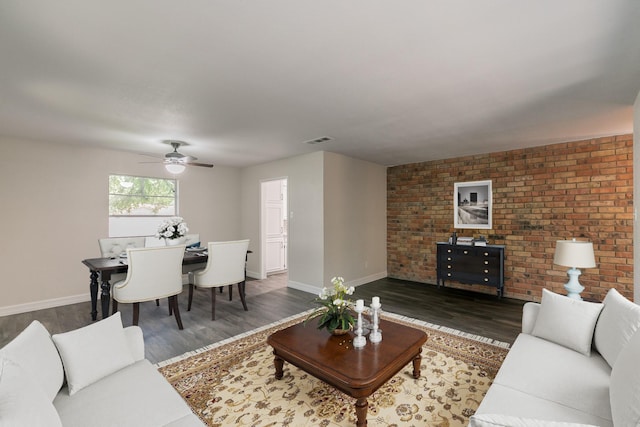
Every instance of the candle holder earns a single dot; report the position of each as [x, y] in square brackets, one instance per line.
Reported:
[376, 334]
[359, 341]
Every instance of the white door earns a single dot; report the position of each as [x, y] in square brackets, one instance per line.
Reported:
[275, 210]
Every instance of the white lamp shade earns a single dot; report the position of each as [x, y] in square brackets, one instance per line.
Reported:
[572, 253]
[175, 168]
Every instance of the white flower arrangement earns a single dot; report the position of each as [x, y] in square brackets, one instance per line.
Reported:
[172, 228]
[335, 312]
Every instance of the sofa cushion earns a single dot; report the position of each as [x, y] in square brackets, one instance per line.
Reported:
[22, 401]
[499, 420]
[625, 385]
[555, 373]
[505, 400]
[566, 321]
[93, 352]
[38, 356]
[619, 319]
[137, 395]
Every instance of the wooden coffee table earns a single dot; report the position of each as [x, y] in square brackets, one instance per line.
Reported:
[357, 372]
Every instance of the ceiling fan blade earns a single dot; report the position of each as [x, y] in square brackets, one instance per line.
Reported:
[204, 165]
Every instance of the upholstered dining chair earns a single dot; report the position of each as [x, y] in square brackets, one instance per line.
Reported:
[153, 273]
[112, 247]
[225, 266]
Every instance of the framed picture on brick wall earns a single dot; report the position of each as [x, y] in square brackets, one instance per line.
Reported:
[472, 204]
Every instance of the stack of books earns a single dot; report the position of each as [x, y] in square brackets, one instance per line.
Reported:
[468, 241]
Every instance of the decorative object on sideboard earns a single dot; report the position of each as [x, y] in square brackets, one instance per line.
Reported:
[472, 204]
[465, 241]
[575, 254]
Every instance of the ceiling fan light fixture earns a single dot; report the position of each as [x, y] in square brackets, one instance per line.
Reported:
[175, 168]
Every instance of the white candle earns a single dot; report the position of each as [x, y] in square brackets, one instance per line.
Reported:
[375, 301]
[359, 305]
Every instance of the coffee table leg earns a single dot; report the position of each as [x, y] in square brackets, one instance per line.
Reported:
[416, 365]
[278, 362]
[361, 411]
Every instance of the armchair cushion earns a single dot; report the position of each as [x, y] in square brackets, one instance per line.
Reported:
[34, 350]
[619, 320]
[22, 401]
[566, 321]
[93, 352]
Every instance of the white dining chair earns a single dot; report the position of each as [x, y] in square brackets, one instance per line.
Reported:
[153, 273]
[113, 247]
[225, 266]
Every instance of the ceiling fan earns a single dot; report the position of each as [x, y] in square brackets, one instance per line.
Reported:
[176, 162]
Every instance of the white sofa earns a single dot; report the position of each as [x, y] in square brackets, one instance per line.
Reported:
[575, 363]
[93, 376]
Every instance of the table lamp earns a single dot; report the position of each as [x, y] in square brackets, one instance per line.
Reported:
[574, 254]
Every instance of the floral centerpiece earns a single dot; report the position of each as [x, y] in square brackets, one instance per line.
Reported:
[335, 313]
[172, 228]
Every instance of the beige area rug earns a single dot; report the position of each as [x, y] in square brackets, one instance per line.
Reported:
[233, 383]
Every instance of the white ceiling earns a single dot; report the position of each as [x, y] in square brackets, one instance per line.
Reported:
[245, 82]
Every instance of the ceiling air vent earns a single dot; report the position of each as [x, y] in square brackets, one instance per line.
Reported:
[320, 140]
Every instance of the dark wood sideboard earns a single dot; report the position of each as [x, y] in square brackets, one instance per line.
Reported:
[475, 265]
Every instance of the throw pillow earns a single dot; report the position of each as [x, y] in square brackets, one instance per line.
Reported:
[93, 352]
[38, 356]
[22, 401]
[566, 321]
[624, 388]
[619, 319]
[497, 420]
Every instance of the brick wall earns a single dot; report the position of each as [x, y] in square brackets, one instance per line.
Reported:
[581, 189]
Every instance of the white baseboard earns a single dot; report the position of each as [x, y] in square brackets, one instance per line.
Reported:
[303, 287]
[367, 279]
[356, 282]
[84, 297]
[254, 274]
[41, 305]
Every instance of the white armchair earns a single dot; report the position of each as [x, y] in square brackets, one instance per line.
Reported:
[225, 266]
[153, 273]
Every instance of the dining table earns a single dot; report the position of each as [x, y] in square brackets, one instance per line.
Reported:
[101, 270]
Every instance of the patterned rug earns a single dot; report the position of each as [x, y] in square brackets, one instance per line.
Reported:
[233, 383]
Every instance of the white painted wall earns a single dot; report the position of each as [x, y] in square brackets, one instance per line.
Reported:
[304, 174]
[355, 219]
[337, 218]
[55, 206]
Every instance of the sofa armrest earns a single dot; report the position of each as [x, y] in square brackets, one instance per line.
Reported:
[135, 341]
[529, 316]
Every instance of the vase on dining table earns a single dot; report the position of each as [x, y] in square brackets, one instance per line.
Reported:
[176, 241]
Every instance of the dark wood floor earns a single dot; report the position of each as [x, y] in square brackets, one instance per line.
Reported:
[270, 300]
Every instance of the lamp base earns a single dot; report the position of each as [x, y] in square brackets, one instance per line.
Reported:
[573, 287]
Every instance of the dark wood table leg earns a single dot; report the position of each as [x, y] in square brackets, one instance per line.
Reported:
[416, 365]
[361, 411]
[278, 362]
[105, 296]
[93, 291]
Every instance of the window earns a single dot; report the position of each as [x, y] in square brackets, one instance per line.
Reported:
[138, 204]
